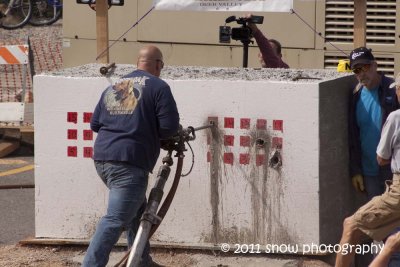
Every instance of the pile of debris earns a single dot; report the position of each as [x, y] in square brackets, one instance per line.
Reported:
[14, 138]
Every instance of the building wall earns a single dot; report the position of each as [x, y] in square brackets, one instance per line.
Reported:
[186, 38]
[191, 38]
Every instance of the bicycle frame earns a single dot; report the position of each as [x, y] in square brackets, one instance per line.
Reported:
[9, 7]
[16, 14]
[55, 3]
[46, 12]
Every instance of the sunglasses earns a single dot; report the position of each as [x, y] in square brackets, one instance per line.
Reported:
[362, 68]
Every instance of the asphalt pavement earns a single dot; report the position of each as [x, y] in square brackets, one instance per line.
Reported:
[17, 199]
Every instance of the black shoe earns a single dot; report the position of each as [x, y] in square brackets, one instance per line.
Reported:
[151, 263]
[155, 264]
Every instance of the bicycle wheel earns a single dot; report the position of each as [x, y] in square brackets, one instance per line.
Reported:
[45, 12]
[17, 14]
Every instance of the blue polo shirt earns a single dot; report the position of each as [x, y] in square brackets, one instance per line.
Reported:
[369, 120]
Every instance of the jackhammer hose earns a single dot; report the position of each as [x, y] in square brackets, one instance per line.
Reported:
[164, 208]
[168, 200]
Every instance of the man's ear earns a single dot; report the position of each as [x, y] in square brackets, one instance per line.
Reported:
[374, 65]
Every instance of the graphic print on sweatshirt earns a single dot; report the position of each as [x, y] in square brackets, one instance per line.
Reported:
[123, 97]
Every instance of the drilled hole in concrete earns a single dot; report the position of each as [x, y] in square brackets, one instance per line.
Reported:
[260, 142]
[276, 160]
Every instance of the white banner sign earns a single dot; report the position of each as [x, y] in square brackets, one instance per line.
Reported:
[225, 5]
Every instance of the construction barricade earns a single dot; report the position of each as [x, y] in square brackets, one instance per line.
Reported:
[14, 63]
[12, 100]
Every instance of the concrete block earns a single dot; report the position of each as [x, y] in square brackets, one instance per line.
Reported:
[235, 193]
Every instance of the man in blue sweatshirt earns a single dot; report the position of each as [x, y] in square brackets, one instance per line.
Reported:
[130, 119]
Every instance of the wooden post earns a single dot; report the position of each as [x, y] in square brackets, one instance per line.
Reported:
[360, 23]
[102, 31]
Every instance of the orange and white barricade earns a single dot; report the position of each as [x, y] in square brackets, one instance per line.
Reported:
[15, 55]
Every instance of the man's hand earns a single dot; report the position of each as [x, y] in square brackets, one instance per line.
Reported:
[392, 245]
[393, 242]
[358, 182]
[252, 26]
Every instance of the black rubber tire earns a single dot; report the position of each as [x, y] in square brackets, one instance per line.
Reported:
[18, 16]
[49, 12]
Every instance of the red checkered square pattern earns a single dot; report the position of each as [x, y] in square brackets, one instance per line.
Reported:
[257, 124]
[72, 135]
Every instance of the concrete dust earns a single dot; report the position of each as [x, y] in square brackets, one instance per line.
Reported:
[211, 73]
[16, 256]
[61, 256]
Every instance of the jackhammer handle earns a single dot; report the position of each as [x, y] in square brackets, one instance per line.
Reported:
[193, 130]
[104, 70]
[204, 127]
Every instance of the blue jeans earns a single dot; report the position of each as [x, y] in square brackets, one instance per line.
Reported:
[126, 203]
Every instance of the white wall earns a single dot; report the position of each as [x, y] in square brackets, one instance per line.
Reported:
[255, 204]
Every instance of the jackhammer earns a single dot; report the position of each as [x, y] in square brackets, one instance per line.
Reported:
[151, 219]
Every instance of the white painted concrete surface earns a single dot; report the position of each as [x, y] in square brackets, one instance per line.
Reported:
[218, 202]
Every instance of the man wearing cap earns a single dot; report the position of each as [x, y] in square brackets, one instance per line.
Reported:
[381, 215]
[372, 101]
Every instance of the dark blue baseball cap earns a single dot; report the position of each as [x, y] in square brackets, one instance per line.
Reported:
[361, 55]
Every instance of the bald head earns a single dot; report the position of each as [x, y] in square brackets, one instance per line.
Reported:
[150, 59]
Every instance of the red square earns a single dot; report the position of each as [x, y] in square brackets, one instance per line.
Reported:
[228, 158]
[87, 135]
[278, 125]
[261, 124]
[72, 117]
[72, 151]
[208, 156]
[229, 122]
[277, 142]
[72, 134]
[245, 141]
[245, 123]
[260, 159]
[88, 152]
[229, 140]
[244, 159]
[87, 116]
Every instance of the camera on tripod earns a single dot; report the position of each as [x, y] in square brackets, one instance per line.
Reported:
[243, 33]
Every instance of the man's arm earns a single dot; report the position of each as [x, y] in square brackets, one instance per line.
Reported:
[392, 245]
[95, 121]
[385, 146]
[271, 59]
[167, 113]
[382, 161]
[354, 137]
